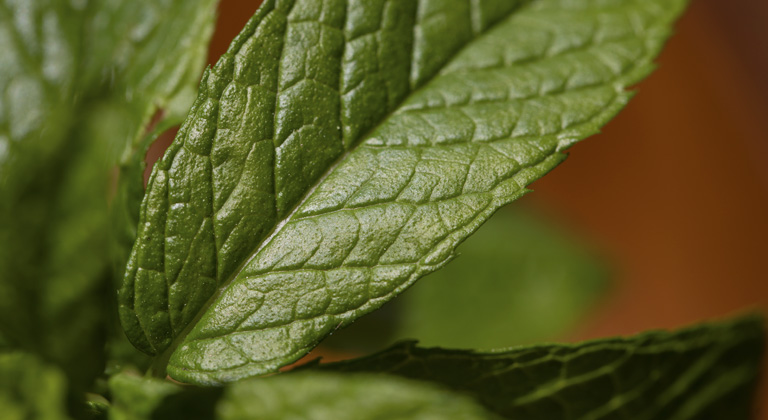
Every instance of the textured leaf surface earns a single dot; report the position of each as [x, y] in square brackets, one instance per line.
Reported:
[518, 280]
[31, 389]
[319, 396]
[437, 113]
[75, 89]
[704, 372]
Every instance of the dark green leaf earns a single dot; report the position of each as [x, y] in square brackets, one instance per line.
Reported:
[339, 151]
[705, 372]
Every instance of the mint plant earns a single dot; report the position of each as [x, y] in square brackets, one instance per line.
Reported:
[338, 152]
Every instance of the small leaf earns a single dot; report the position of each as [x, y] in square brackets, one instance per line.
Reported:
[31, 389]
[321, 396]
[339, 151]
[137, 398]
[708, 371]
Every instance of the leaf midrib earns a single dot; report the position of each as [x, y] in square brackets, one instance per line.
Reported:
[161, 361]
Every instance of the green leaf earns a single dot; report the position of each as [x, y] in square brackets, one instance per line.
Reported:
[79, 83]
[708, 371]
[31, 389]
[338, 152]
[320, 396]
[517, 280]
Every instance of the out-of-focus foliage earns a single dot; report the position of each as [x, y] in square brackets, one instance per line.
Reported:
[79, 81]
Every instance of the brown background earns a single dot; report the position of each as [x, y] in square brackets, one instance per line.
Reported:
[675, 190]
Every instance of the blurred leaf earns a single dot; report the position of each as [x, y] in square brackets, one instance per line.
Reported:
[51, 265]
[80, 80]
[324, 396]
[315, 396]
[517, 280]
[704, 372]
[31, 389]
[138, 398]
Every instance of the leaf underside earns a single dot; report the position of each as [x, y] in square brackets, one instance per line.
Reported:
[704, 372]
[341, 150]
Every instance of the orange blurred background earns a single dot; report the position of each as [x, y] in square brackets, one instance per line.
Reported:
[675, 190]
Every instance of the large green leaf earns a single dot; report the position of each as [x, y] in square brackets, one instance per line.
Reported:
[31, 389]
[341, 150]
[78, 83]
[705, 372]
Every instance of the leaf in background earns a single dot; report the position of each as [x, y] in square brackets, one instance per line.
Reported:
[31, 389]
[321, 396]
[443, 111]
[138, 398]
[49, 305]
[66, 111]
[708, 371]
[517, 280]
[316, 396]
[35, 85]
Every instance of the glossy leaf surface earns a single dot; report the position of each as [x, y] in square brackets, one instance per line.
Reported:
[340, 151]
